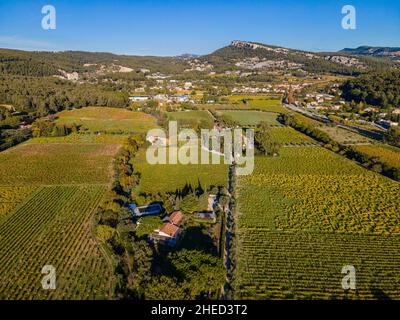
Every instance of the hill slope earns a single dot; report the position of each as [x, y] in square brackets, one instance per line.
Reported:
[384, 52]
[257, 56]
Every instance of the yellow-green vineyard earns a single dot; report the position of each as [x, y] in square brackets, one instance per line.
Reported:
[49, 191]
[303, 265]
[53, 227]
[304, 215]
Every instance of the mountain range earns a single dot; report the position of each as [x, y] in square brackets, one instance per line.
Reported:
[392, 53]
[239, 56]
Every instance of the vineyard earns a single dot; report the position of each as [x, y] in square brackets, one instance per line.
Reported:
[53, 227]
[11, 196]
[301, 265]
[57, 163]
[304, 215]
[385, 153]
[83, 138]
[289, 136]
[49, 190]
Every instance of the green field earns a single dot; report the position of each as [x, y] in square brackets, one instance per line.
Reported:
[252, 118]
[107, 120]
[344, 136]
[163, 178]
[187, 118]
[272, 103]
[296, 216]
[49, 191]
[240, 97]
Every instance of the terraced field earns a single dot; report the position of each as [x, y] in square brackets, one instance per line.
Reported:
[304, 215]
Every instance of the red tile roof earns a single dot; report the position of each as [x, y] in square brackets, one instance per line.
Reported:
[169, 229]
[176, 218]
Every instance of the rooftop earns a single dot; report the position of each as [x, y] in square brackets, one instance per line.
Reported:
[175, 218]
[169, 229]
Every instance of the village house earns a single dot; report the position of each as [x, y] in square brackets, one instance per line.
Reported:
[187, 85]
[181, 98]
[371, 109]
[138, 98]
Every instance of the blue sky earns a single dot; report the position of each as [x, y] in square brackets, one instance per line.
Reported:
[171, 27]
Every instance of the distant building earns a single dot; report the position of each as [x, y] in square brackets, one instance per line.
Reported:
[182, 98]
[138, 98]
[372, 110]
[387, 123]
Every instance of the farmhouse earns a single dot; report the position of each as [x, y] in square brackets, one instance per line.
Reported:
[175, 218]
[170, 231]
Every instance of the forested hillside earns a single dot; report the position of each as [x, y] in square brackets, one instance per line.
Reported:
[378, 89]
[48, 95]
[39, 64]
